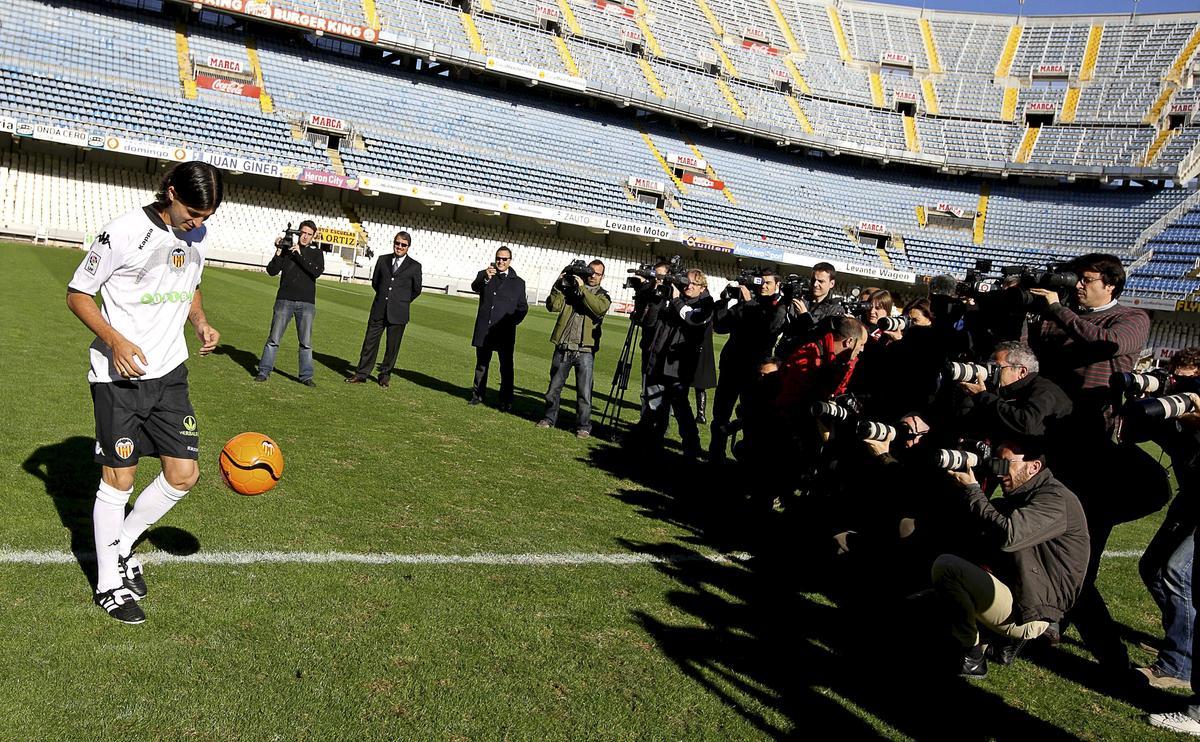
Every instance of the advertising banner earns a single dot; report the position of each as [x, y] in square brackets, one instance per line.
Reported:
[334, 236]
[709, 243]
[529, 72]
[328, 123]
[293, 17]
[326, 178]
[703, 182]
[232, 87]
[241, 164]
[146, 149]
[49, 133]
[221, 64]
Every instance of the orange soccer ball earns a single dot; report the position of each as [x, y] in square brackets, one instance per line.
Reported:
[251, 463]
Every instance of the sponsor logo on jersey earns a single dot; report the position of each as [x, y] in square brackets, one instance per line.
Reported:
[102, 238]
[124, 448]
[92, 263]
[178, 259]
[193, 449]
[149, 233]
[189, 427]
[171, 297]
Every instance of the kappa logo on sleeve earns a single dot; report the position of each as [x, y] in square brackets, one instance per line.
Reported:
[92, 264]
[102, 239]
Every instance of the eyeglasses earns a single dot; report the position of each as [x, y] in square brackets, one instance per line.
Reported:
[697, 285]
[502, 260]
[1085, 280]
[400, 244]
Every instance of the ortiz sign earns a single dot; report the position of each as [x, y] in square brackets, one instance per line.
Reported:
[333, 236]
[227, 86]
[260, 9]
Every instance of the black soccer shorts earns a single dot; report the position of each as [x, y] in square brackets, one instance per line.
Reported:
[145, 418]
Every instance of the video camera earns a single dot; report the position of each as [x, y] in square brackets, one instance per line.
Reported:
[288, 239]
[575, 268]
[676, 276]
[795, 287]
[1058, 277]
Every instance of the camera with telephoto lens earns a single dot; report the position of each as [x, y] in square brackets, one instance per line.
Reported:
[976, 281]
[1060, 278]
[969, 372]
[1152, 383]
[894, 324]
[288, 239]
[840, 408]
[1165, 397]
[575, 268]
[1159, 408]
[869, 430]
[967, 456]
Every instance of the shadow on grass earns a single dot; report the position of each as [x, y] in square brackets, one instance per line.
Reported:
[781, 634]
[70, 475]
[336, 364]
[244, 358]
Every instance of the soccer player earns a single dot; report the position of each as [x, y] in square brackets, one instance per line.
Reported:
[146, 266]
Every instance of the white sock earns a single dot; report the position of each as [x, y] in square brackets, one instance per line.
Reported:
[152, 504]
[107, 514]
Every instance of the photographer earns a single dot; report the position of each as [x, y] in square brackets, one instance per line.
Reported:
[753, 323]
[1038, 542]
[808, 319]
[299, 264]
[1023, 403]
[819, 369]
[581, 305]
[1080, 349]
[1166, 566]
[647, 291]
[676, 324]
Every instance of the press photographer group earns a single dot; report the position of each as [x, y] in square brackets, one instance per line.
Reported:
[885, 428]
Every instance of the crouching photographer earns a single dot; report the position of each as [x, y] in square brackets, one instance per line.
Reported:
[1036, 561]
[676, 325]
[581, 304]
[1008, 397]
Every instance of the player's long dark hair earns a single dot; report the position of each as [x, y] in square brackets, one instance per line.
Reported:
[197, 184]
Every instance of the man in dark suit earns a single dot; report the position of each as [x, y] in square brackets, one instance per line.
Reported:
[397, 283]
[502, 306]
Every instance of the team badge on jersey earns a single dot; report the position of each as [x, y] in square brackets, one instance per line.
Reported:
[178, 259]
[124, 448]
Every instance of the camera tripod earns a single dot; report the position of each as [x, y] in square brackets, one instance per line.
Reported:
[620, 383]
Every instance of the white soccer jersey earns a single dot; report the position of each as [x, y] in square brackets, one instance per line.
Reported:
[146, 273]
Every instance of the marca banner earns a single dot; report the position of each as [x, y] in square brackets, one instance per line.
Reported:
[293, 17]
[1050, 69]
[754, 33]
[1165, 354]
[231, 87]
[530, 72]
[896, 58]
[233, 66]
[346, 237]
[237, 163]
[1042, 106]
[907, 96]
[946, 208]
[873, 228]
[708, 243]
[542, 10]
[703, 182]
[615, 8]
[78, 137]
[326, 178]
[146, 149]
[646, 184]
[328, 123]
[688, 161]
[1183, 107]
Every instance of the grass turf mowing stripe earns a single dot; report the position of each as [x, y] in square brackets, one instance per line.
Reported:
[335, 557]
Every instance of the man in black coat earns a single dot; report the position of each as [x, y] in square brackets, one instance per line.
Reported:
[502, 306]
[1022, 404]
[397, 283]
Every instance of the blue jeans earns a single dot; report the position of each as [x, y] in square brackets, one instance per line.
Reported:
[1166, 568]
[560, 367]
[285, 310]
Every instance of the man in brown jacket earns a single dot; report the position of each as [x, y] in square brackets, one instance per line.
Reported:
[1038, 548]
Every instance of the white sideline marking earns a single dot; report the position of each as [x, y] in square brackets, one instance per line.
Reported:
[12, 556]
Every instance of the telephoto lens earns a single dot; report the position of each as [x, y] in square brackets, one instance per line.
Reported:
[955, 460]
[893, 324]
[830, 410]
[957, 371]
[1138, 383]
[1160, 408]
[869, 430]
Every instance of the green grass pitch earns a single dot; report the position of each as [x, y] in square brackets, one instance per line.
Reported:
[675, 650]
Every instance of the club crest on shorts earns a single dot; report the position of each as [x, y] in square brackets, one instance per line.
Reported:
[124, 448]
[178, 259]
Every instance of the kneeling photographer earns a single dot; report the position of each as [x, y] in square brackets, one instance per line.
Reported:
[752, 312]
[581, 304]
[676, 325]
[1037, 556]
[1008, 397]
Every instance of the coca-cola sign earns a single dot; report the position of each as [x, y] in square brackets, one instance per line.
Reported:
[231, 87]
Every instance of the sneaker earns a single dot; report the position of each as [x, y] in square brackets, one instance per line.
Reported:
[309, 382]
[545, 424]
[121, 604]
[1159, 679]
[260, 377]
[1176, 721]
[583, 434]
[474, 401]
[132, 576]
